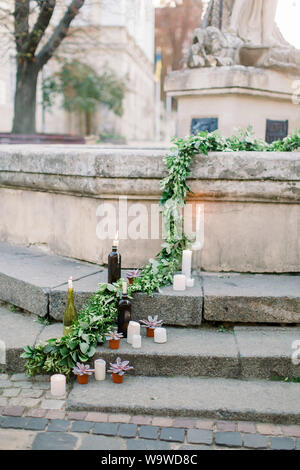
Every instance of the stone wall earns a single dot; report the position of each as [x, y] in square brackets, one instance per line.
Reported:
[50, 197]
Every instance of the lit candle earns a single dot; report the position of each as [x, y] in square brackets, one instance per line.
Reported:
[200, 224]
[70, 283]
[160, 335]
[136, 341]
[179, 281]
[134, 328]
[58, 385]
[187, 263]
[100, 369]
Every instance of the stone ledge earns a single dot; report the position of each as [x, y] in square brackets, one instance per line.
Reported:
[252, 298]
[198, 397]
[95, 172]
[238, 77]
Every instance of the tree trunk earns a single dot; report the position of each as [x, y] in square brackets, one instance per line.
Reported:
[25, 98]
[88, 123]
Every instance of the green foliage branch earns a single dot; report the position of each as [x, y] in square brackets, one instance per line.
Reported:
[100, 313]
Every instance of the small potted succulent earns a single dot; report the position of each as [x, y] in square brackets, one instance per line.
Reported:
[151, 324]
[114, 339]
[118, 370]
[83, 372]
[132, 275]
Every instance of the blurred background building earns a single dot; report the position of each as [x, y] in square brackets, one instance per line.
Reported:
[116, 35]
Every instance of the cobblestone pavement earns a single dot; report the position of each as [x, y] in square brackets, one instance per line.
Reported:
[31, 418]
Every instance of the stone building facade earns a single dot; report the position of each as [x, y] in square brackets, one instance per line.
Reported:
[113, 34]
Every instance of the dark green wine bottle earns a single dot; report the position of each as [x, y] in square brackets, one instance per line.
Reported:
[124, 312]
[70, 315]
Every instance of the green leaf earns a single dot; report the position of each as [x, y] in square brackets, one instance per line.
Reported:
[84, 347]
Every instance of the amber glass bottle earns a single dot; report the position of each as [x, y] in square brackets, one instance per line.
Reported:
[70, 315]
[124, 312]
[114, 264]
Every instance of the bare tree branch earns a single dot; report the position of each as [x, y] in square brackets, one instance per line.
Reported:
[59, 33]
[21, 15]
[42, 23]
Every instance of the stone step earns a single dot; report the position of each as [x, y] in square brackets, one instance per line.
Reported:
[37, 282]
[249, 298]
[218, 398]
[244, 352]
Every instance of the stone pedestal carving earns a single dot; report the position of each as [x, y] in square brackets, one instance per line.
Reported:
[239, 70]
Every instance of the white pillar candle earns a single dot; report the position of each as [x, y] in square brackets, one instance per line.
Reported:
[100, 369]
[200, 224]
[179, 281]
[187, 263]
[58, 385]
[190, 282]
[160, 335]
[136, 341]
[134, 328]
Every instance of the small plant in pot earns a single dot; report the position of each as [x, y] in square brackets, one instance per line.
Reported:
[132, 275]
[151, 324]
[114, 339]
[118, 369]
[83, 372]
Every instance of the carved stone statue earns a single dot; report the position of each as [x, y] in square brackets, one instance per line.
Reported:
[241, 32]
[254, 21]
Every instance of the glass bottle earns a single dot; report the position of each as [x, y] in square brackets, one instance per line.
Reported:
[70, 315]
[124, 312]
[114, 264]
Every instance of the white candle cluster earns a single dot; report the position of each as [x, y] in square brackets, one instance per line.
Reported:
[134, 328]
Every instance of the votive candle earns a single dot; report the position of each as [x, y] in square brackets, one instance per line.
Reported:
[100, 369]
[58, 385]
[160, 335]
[134, 328]
[187, 263]
[179, 281]
[190, 282]
[136, 341]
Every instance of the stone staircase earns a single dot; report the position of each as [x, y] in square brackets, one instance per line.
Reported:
[205, 369]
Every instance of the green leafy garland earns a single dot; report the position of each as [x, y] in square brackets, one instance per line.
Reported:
[100, 314]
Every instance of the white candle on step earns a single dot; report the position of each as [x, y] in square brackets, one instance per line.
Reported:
[136, 341]
[160, 335]
[179, 281]
[187, 263]
[100, 369]
[134, 328]
[58, 385]
[190, 282]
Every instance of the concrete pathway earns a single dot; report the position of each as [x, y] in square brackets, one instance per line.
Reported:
[30, 418]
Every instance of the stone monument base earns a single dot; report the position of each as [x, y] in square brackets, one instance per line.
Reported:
[235, 97]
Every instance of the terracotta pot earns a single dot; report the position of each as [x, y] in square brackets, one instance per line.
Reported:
[114, 343]
[83, 379]
[130, 280]
[150, 332]
[117, 379]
